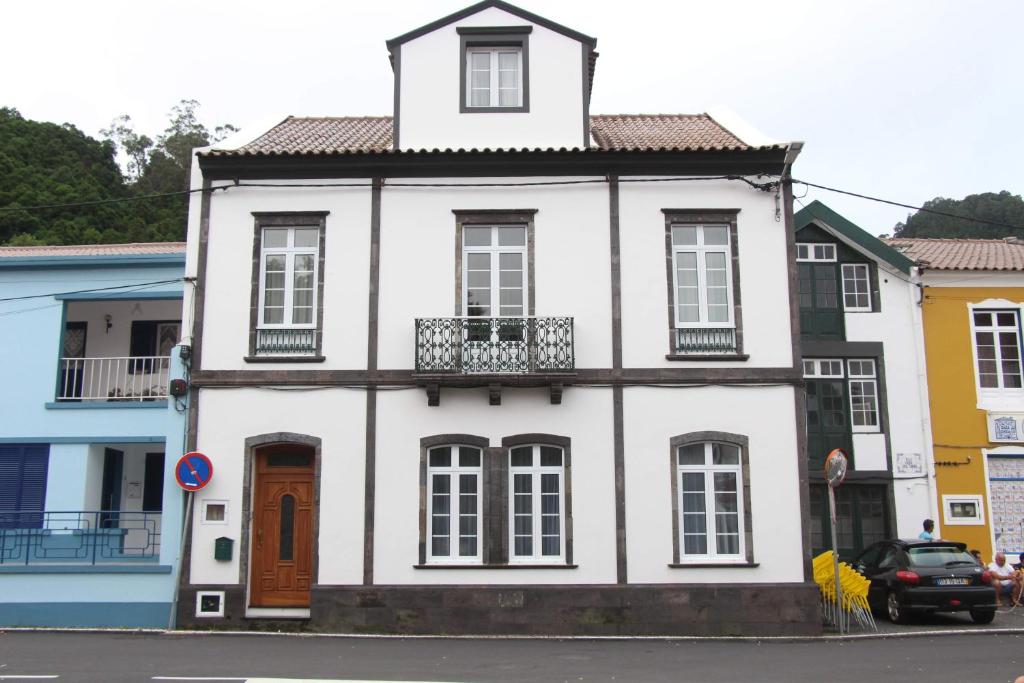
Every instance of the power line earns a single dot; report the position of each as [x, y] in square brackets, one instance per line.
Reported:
[134, 288]
[911, 206]
[98, 202]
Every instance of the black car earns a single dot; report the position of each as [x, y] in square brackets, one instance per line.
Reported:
[917, 576]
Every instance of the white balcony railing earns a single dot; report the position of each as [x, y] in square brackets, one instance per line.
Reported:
[127, 378]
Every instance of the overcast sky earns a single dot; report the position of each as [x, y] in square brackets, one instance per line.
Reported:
[905, 100]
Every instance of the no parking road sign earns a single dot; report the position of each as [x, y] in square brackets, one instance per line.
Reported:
[193, 471]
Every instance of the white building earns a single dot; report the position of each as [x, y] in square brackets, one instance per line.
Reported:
[496, 365]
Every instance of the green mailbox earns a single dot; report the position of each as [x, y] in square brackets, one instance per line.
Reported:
[222, 548]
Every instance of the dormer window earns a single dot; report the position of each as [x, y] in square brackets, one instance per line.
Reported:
[494, 75]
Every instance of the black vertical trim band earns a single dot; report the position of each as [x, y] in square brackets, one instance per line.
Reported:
[199, 291]
[620, 459]
[370, 474]
[396, 66]
[585, 85]
[800, 394]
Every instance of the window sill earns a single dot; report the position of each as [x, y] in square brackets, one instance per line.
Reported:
[704, 357]
[714, 565]
[495, 566]
[284, 359]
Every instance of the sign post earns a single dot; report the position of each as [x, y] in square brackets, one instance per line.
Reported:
[193, 472]
[835, 472]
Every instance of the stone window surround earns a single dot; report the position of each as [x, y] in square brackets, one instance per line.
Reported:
[741, 442]
[704, 216]
[288, 219]
[485, 217]
[494, 529]
[494, 36]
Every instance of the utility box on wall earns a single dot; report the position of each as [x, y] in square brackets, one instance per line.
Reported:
[222, 548]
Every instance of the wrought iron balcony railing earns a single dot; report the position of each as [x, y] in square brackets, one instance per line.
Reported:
[705, 340]
[285, 342]
[125, 378]
[79, 537]
[494, 345]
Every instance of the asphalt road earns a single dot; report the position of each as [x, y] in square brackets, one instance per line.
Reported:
[116, 658]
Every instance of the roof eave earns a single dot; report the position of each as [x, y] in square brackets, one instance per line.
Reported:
[816, 211]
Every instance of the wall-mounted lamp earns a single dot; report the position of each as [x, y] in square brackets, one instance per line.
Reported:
[109, 318]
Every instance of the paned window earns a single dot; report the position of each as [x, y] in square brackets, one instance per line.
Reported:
[494, 270]
[863, 395]
[856, 287]
[710, 505]
[997, 348]
[494, 77]
[702, 275]
[288, 276]
[537, 501]
[454, 504]
[810, 251]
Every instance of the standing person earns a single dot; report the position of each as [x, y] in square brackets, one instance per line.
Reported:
[1004, 579]
[927, 534]
[976, 554]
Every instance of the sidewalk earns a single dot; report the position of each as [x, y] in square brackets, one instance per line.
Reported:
[1005, 619]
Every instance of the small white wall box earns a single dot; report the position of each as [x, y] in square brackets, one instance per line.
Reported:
[215, 512]
[210, 603]
[964, 509]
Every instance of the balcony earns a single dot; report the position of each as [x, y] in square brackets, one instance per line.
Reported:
[285, 341]
[700, 340]
[124, 378]
[79, 538]
[492, 352]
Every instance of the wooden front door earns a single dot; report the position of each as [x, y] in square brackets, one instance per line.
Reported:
[282, 543]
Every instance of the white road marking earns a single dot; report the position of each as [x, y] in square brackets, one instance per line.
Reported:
[198, 678]
[26, 677]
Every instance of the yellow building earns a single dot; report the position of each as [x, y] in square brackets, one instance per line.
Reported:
[973, 299]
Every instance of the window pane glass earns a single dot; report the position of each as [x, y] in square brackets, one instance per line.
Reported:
[550, 456]
[983, 319]
[512, 237]
[522, 525]
[477, 237]
[511, 261]
[441, 457]
[686, 290]
[287, 537]
[522, 456]
[724, 454]
[478, 278]
[307, 237]
[1006, 319]
[275, 237]
[684, 234]
[692, 454]
[716, 235]
[467, 514]
[469, 457]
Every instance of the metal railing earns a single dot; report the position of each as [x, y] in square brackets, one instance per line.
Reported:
[494, 345]
[79, 537]
[124, 378]
[285, 342]
[706, 340]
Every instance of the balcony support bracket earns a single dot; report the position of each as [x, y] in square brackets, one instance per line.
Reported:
[433, 395]
[494, 390]
[556, 393]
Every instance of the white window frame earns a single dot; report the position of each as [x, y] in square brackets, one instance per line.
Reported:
[947, 510]
[867, 379]
[995, 329]
[824, 252]
[495, 81]
[701, 250]
[495, 251]
[708, 470]
[453, 472]
[824, 368]
[536, 471]
[856, 268]
[220, 595]
[290, 251]
[206, 506]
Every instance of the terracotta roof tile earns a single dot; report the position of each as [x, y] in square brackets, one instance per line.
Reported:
[962, 254]
[373, 134]
[96, 250]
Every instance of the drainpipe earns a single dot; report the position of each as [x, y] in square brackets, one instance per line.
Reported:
[917, 315]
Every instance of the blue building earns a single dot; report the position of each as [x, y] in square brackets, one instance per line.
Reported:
[90, 513]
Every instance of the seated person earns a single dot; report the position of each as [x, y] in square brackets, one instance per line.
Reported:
[976, 554]
[1020, 565]
[1004, 579]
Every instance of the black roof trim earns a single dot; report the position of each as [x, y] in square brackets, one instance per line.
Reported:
[487, 4]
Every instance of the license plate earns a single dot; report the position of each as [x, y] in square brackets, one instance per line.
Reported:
[955, 581]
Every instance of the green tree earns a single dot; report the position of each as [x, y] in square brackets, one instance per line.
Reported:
[986, 209]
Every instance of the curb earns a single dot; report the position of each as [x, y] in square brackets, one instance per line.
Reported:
[363, 636]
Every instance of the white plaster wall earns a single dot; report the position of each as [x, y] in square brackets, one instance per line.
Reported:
[571, 270]
[229, 272]
[906, 423]
[338, 418]
[869, 450]
[766, 416]
[66, 471]
[116, 342]
[403, 418]
[764, 283]
[430, 93]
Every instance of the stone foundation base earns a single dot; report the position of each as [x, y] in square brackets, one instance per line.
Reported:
[789, 609]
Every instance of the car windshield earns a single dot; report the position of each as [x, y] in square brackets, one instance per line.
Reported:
[939, 556]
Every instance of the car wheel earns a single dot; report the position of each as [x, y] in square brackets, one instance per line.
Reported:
[983, 616]
[897, 614]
